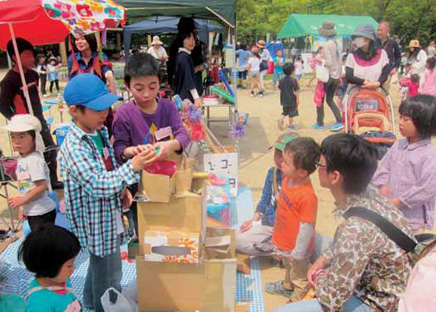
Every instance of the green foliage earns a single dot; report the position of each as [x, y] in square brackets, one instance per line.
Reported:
[408, 19]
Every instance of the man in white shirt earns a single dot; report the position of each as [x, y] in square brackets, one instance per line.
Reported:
[157, 50]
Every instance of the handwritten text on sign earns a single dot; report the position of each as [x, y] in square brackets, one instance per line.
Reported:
[225, 164]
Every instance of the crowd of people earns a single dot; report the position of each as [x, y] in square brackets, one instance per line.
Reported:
[363, 268]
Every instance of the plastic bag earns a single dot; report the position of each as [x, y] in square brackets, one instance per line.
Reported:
[165, 167]
[322, 73]
[114, 301]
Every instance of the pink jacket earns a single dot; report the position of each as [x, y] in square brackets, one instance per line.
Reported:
[421, 288]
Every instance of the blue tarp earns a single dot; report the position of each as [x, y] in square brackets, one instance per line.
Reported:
[165, 25]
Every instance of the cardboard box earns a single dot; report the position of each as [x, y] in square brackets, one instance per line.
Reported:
[171, 246]
[159, 188]
[208, 286]
[183, 214]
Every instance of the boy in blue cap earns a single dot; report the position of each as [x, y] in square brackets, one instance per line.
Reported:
[95, 187]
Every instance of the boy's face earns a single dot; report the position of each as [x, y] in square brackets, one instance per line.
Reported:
[407, 127]
[279, 53]
[278, 158]
[89, 120]
[288, 168]
[144, 90]
[65, 272]
[27, 59]
[22, 142]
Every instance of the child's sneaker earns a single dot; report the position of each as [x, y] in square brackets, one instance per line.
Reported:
[318, 127]
[253, 95]
[276, 288]
[337, 127]
[291, 127]
[261, 94]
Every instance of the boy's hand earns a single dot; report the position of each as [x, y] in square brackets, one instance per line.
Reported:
[319, 264]
[246, 226]
[16, 202]
[384, 191]
[144, 159]
[396, 202]
[163, 150]
[198, 102]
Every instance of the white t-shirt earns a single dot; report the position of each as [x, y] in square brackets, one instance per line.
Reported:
[298, 68]
[158, 54]
[369, 70]
[30, 169]
[255, 63]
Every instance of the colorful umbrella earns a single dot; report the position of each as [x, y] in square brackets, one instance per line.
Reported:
[49, 21]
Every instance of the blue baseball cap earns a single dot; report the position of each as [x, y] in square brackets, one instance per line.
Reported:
[88, 90]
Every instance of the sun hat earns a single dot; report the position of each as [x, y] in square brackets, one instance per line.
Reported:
[284, 139]
[156, 41]
[255, 48]
[24, 123]
[88, 90]
[261, 43]
[365, 30]
[414, 43]
[327, 29]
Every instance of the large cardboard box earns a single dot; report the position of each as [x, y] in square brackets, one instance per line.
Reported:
[207, 286]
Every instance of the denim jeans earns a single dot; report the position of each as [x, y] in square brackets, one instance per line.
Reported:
[353, 304]
[276, 78]
[103, 273]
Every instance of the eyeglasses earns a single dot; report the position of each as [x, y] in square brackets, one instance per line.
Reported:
[320, 165]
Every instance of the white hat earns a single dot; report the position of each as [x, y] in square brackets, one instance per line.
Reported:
[156, 41]
[26, 122]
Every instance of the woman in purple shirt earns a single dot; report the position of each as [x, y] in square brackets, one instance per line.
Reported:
[146, 119]
[407, 173]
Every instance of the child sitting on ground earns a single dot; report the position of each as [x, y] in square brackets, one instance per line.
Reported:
[254, 236]
[33, 175]
[407, 173]
[146, 119]
[289, 98]
[50, 253]
[294, 229]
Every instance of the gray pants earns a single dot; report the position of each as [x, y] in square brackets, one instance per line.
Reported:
[103, 273]
[256, 241]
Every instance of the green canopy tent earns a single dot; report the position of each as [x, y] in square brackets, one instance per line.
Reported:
[221, 10]
[301, 25]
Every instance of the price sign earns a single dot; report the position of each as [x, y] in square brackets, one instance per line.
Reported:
[225, 164]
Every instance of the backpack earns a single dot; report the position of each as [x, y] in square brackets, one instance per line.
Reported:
[415, 249]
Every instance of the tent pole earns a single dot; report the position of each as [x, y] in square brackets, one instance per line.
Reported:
[220, 17]
[20, 68]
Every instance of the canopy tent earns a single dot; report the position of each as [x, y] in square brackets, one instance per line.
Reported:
[301, 25]
[221, 10]
[165, 25]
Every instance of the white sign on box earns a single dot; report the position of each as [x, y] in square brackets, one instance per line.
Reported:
[225, 164]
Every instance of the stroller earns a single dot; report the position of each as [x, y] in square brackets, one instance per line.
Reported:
[370, 114]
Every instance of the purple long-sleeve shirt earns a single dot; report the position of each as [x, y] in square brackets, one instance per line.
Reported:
[131, 125]
[409, 172]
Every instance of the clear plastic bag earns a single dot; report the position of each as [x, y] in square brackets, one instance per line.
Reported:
[114, 301]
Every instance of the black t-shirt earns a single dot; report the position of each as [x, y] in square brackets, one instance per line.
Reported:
[12, 100]
[288, 86]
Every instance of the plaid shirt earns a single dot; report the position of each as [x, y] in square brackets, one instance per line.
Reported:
[92, 194]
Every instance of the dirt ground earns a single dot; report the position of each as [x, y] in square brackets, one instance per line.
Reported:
[256, 157]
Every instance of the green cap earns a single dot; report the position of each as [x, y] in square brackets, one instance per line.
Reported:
[284, 139]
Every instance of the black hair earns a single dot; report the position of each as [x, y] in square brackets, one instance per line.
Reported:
[185, 35]
[32, 133]
[40, 56]
[186, 24]
[46, 250]
[415, 78]
[22, 45]
[354, 157]
[431, 62]
[422, 109]
[288, 68]
[81, 108]
[306, 153]
[141, 65]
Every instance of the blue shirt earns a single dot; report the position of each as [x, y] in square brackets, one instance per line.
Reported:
[243, 57]
[268, 203]
[92, 193]
[279, 68]
[45, 300]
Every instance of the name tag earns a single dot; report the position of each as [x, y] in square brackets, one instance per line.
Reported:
[24, 175]
[163, 133]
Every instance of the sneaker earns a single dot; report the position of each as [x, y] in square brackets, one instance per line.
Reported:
[291, 127]
[261, 94]
[318, 127]
[278, 289]
[253, 95]
[337, 127]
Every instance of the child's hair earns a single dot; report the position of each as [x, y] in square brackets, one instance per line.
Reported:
[140, 65]
[288, 68]
[431, 63]
[46, 250]
[40, 57]
[306, 153]
[422, 109]
[53, 59]
[354, 157]
[22, 44]
[32, 133]
[414, 78]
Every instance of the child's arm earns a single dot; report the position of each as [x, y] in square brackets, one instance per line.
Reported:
[7, 94]
[297, 92]
[17, 201]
